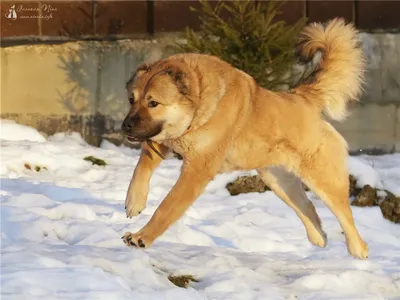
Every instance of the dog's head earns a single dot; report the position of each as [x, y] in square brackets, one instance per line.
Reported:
[161, 99]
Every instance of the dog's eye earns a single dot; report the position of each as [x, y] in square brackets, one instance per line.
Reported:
[131, 100]
[153, 104]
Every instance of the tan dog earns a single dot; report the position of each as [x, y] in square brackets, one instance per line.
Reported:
[219, 120]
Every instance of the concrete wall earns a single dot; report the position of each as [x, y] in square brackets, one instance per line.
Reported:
[375, 122]
[80, 86]
[76, 86]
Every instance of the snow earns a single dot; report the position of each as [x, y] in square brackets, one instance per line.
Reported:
[9, 130]
[364, 173]
[61, 232]
[388, 168]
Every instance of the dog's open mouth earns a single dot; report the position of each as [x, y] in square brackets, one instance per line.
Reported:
[143, 137]
[136, 139]
[133, 139]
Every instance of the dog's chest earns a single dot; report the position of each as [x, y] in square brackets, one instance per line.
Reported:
[179, 146]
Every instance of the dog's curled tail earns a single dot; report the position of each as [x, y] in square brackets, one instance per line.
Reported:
[339, 77]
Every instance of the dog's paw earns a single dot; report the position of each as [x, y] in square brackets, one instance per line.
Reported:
[137, 240]
[318, 238]
[133, 209]
[358, 249]
[135, 204]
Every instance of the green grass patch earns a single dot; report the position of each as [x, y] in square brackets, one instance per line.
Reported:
[95, 160]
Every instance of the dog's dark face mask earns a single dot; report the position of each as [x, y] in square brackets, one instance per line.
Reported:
[139, 125]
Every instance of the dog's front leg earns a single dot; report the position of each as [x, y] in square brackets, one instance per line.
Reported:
[195, 176]
[138, 189]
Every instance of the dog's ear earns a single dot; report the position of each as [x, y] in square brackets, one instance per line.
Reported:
[141, 69]
[180, 79]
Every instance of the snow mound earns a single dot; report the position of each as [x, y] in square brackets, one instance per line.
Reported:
[11, 131]
[364, 173]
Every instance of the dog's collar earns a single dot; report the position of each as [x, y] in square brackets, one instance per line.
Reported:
[150, 144]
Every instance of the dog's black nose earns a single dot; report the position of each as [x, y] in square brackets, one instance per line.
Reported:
[130, 122]
[126, 125]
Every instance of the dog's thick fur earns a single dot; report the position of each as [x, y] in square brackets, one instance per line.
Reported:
[220, 120]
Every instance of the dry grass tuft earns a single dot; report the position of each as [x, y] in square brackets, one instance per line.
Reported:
[182, 281]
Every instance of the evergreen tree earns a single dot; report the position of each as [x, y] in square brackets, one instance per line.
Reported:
[246, 34]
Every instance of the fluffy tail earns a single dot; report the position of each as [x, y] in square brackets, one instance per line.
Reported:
[339, 77]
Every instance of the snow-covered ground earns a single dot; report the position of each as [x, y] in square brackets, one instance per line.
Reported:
[61, 233]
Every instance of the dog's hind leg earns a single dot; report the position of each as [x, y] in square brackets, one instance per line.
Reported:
[290, 189]
[325, 172]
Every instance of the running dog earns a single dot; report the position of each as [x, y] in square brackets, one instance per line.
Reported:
[218, 119]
